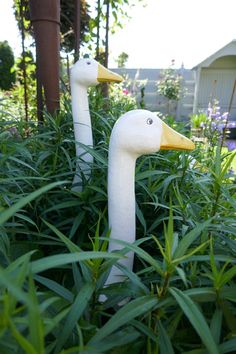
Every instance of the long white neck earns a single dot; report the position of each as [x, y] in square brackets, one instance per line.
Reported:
[121, 205]
[82, 129]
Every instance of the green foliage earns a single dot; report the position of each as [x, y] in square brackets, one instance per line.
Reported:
[67, 9]
[122, 59]
[119, 13]
[67, 23]
[12, 104]
[198, 120]
[7, 61]
[180, 297]
[169, 84]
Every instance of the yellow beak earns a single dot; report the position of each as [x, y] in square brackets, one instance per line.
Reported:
[171, 140]
[105, 75]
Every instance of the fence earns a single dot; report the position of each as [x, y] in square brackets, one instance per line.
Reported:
[147, 79]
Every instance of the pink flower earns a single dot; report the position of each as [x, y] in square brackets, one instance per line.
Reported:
[125, 91]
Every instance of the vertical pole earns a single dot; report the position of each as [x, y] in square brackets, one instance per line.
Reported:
[107, 33]
[105, 84]
[39, 94]
[23, 61]
[232, 97]
[180, 101]
[45, 17]
[98, 28]
[196, 90]
[77, 25]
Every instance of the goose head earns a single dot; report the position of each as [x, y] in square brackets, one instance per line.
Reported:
[88, 72]
[141, 132]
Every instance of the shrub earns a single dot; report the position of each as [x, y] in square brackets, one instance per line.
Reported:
[7, 75]
[169, 85]
[53, 248]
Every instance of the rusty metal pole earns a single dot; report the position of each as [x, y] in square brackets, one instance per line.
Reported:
[23, 62]
[77, 25]
[45, 17]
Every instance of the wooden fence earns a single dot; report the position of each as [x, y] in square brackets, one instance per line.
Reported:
[147, 79]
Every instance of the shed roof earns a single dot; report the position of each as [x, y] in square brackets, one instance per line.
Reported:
[228, 49]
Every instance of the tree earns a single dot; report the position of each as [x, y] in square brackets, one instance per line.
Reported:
[122, 59]
[110, 15]
[69, 23]
[68, 17]
[7, 61]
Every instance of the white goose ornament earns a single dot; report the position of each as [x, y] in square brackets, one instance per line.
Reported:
[83, 74]
[135, 133]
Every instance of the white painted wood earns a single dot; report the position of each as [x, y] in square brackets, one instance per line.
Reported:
[136, 133]
[197, 74]
[83, 74]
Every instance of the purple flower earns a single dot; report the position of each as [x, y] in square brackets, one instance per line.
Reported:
[209, 110]
[231, 144]
[213, 125]
[214, 115]
[231, 125]
[225, 115]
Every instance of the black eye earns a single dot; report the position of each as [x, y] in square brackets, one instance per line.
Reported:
[149, 121]
[88, 62]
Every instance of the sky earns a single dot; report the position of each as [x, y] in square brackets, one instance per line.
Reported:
[187, 31]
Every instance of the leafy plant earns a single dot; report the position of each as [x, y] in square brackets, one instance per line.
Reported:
[198, 120]
[169, 84]
[7, 60]
[180, 296]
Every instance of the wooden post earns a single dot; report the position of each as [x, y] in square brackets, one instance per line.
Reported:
[232, 97]
[196, 91]
[180, 101]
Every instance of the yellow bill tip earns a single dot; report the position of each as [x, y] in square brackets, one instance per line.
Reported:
[172, 140]
[106, 75]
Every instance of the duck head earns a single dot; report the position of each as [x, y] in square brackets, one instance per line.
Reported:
[88, 72]
[141, 132]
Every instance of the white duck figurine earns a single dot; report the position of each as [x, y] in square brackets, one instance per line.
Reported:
[135, 133]
[83, 74]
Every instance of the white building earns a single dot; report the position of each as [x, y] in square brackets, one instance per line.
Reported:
[215, 77]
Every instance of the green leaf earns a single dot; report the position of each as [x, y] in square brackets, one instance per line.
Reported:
[164, 341]
[196, 318]
[60, 260]
[35, 320]
[118, 341]
[227, 276]
[190, 254]
[14, 289]
[8, 213]
[229, 315]
[140, 252]
[21, 340]
[72, 247]
[141, 218]
[123, 316]
[228, 346]
[76, 311]
[55, 287]
[216, 325]
[189, 238]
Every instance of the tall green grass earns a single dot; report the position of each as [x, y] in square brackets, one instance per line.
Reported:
[180, 296]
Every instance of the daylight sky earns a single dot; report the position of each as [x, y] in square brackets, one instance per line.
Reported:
[185, 30]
